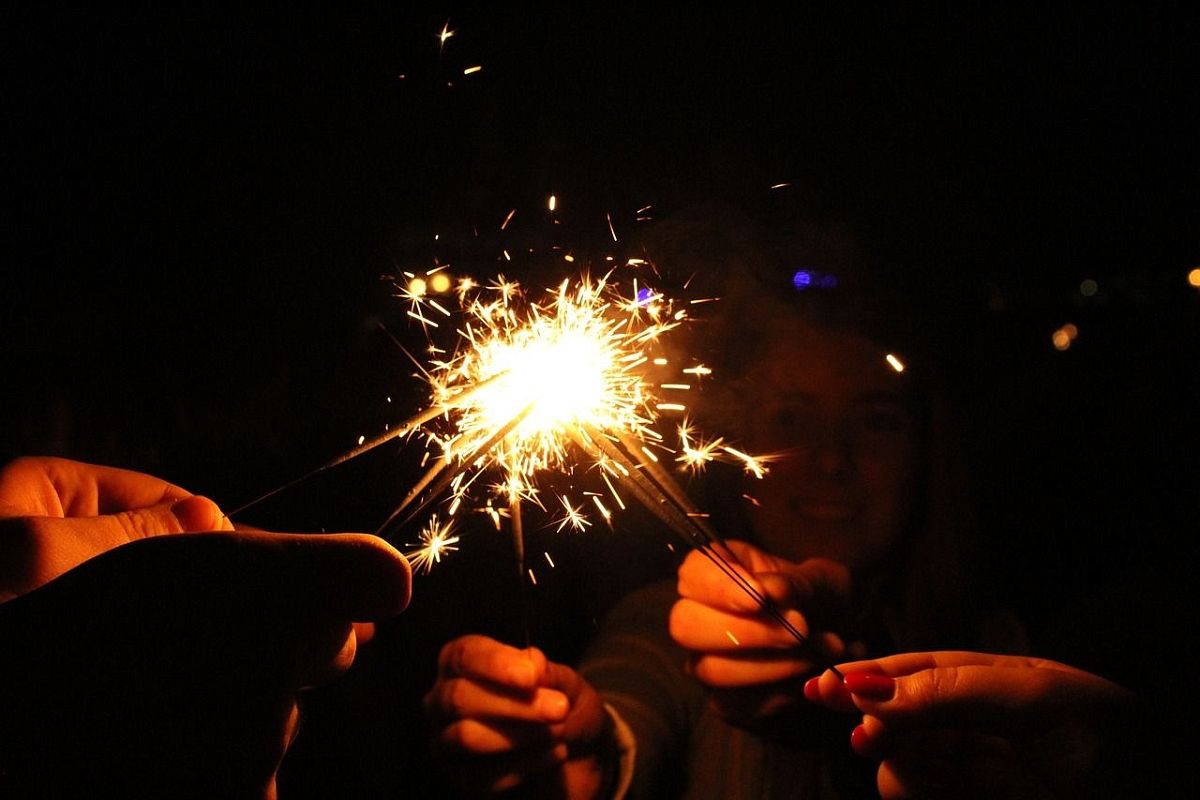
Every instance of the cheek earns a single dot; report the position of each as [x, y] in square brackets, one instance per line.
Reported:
[888, 484]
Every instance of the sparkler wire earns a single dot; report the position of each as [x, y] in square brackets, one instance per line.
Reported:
[686, 521]
[445, 481]
[408, 426]
[518, 534]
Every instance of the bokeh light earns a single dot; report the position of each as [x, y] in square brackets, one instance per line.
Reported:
[805, 279]
[1064, 336]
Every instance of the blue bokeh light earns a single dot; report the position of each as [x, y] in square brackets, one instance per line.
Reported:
[805, 279]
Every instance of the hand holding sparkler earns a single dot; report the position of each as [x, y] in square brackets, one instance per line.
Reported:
[144, 656]
[752, 662]
[505, 717]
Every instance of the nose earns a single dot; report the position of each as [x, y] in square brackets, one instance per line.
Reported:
[833, 456]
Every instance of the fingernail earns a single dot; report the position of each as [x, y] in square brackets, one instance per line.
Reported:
[871, 685]
[812, 689]
[860, 742]
[197, 514]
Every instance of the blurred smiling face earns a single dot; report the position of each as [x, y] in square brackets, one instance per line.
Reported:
[830, 402]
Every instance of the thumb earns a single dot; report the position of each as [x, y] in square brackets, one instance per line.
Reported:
[818, 587]
[193, 514]
[190, 515]
[820, 579]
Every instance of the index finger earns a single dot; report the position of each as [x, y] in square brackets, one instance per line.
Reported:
[996, 699]
[483, 658]
[714, 579]
[902, 664]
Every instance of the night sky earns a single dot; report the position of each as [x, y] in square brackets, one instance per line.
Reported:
[200, 205]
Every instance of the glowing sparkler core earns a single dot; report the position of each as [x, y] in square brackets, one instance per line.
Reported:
[568, 363]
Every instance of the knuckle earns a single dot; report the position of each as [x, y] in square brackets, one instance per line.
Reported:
[943, 683]
[454, 697]
[450, 657]
[136, 525]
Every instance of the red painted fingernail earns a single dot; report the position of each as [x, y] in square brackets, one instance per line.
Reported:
[812, 689]
[870, 684]
[860, 742]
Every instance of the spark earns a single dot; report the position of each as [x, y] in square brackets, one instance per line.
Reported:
[444, 35]
[895, 363]
[573, 517]
[472, 70]
[604, 512]
[698, 453]
[755, 465]
[435, 540]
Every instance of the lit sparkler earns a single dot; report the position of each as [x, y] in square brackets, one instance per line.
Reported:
[529, 379]
[529, 386]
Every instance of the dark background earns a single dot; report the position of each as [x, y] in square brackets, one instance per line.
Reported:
[199, 205]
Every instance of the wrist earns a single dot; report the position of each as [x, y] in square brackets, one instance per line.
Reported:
[603, 768]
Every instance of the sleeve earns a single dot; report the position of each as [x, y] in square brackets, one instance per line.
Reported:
[638, 670]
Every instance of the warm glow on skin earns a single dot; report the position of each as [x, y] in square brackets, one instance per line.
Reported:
[841, 488]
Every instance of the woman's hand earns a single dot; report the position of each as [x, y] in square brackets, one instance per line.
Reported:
[504, 717]
[753, 665]
[960, 724]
